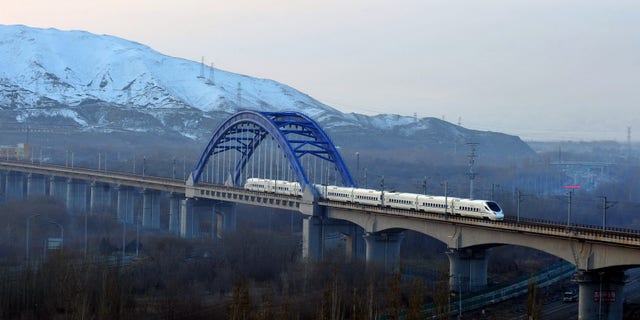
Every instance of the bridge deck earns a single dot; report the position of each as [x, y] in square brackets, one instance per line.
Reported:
[591, 234]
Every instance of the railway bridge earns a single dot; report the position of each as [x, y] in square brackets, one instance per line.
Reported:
[291, 146]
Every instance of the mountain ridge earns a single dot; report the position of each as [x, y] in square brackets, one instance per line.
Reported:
[99, 82]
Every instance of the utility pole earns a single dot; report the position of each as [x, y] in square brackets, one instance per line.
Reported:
[211, 75]
[518, 207]
[382, 195]
[424, 184]
[365, 177]
[173, 169]
[493, 190]
[605, 205]
[446, 201]
[569, 209]
[357, 167]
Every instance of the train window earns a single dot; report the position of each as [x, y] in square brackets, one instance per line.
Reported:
[493, 206]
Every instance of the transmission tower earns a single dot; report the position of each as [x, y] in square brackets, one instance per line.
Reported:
[201, 76]
[472, 159]
[211, 75]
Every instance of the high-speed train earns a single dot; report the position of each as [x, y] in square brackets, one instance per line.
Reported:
[483, 209]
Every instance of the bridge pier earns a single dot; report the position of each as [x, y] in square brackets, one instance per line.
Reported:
[3, 189]
[36, 185]
[14, 187]
[76, 196]
[312, 233]
[126, 200]
[58, 188]
[100, 200]
[222, 217]
[468, 269]
[383, 248]
[223, 220]
[600, 294]
[174, 213]
[150, 208]
[314, 237]
[355, 243]
[189, 224]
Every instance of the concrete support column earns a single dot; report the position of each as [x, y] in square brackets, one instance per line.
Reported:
[312, 234]
[14, 186]
[226, 218]
[345, 236]
[355, 246]
[36, 185]
[468, 269]
[189, 224]
[58, 188]
[3, 189]
[126, 196]
[100, 197]
[600, 294]
[320, 235]
[383, 248]
[174, 213]
[150, 208]
[76, 196]
[210, 218]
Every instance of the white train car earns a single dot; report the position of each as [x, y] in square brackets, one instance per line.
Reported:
[273, 186]
[407, 201]
[342, 194]
[260, 185]
[434, 204]
[367, 196]
[477, 209]
[287, 188]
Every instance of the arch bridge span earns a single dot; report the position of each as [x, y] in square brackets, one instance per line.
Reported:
[271, 145]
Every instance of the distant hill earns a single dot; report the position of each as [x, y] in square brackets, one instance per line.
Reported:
[81, 82]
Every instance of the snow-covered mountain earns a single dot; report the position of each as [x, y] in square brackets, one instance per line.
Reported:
[103, 83]
[45, 67]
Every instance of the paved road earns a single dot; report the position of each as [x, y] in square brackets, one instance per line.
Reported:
[554, 308]
[568, 311]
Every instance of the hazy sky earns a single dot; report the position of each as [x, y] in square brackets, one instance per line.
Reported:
[540, 69]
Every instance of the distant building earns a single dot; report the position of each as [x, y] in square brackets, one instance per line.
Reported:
[20, 152]
[588, 175]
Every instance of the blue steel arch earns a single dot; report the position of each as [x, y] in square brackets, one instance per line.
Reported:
[284, 127]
